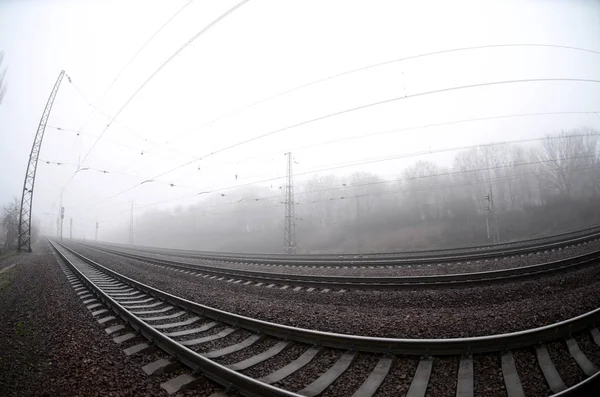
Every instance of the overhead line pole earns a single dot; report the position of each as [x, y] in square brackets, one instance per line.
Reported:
[27, 196]
[131, 225]
[289, 235]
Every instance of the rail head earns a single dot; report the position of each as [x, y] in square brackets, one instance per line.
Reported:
[441, 281]
[387, 260]
[439, 347]
[244, 384]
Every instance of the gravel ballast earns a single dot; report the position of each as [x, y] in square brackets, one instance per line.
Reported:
[51, 346]
[402, 314]
[350, 268]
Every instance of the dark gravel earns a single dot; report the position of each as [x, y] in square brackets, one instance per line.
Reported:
[444, 375]
[566, 366]
[487, 376]
[399, 378]
[51, 346]
[412, 314]
[533, 381]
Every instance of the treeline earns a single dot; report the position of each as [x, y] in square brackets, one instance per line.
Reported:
[539, 187]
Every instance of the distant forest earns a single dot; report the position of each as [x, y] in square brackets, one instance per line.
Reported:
[549, 186]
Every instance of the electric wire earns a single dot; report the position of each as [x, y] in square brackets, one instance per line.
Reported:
[478, 182]
[361, 107]
[366, 161]
[378, 182]
[162, 65]
[375, 65]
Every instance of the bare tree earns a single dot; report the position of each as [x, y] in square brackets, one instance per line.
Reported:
[11, 223]
[565, 157]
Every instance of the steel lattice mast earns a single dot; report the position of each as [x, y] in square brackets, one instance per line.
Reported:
[289, 236]
[27, 197]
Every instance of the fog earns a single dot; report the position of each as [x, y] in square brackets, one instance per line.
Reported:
[386, 157]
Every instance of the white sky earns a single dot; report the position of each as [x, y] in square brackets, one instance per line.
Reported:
[260, 50]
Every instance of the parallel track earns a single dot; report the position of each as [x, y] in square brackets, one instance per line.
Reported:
[156, 315]
[481, 252]
[443, 281]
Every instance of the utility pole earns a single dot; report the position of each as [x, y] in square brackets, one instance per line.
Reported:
[289, 235]
[357, 225]
[71, 228]
[491, 215]
[24, 243]
[62, 217]
[96, 230]
[131, 225]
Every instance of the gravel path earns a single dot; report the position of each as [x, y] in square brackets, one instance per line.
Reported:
[403, 270]
[411, 314]
[51, 346]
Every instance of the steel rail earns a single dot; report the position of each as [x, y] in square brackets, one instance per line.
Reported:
[583, 234]
[246, 385]
[434, 347]
[458, 280]
[292, 260]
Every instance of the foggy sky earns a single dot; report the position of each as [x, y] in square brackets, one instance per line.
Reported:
[260, 50]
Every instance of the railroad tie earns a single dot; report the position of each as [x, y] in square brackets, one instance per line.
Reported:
[323, 381]
[596, 335]
[292, 367]
[418, 386]
[233, 348]
[584, 363]
[259, 358]
[160, 366]
[376, 377]
[464, 386]
[553, 379]
[510, 375]
[179, 383]
[209, 338]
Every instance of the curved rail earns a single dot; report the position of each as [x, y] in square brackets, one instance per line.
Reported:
[454, 346]
[459, 280]
[577, 236]
[252, 387]
[317, 260]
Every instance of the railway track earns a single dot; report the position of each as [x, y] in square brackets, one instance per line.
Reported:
[481, 252]
[327, 283]
[235, 351]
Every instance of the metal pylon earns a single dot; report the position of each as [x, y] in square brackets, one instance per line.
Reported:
[289, 236]
[27, 197]
[131, 225]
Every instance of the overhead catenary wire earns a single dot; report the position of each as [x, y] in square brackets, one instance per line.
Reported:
[355, 186]
[361, 107]
[376, 65]
[95, 108]
[394, 130]
[357, 196]
[161, 66]
[362, 162]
